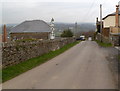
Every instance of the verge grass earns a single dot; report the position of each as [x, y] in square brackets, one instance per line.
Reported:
[104, 44]
[15, 70]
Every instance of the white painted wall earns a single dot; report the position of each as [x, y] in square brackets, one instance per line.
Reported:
[110, 21]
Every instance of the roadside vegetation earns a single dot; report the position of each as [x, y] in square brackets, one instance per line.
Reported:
[67, 33]
[119, 57]
[104, 44]
[118, 64]
[15, 70]
[25, 40]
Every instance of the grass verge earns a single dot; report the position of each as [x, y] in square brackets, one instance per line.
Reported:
[25, 40]
[119, 57]
[104, 44]
[15, 70]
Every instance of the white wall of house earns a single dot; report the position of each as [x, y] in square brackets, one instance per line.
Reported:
[110, 21]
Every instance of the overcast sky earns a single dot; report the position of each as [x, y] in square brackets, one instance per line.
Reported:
[68, 11]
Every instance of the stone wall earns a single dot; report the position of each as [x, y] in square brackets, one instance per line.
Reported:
[104, 39]
[113, 39]
[16, 52]
[106, 32]
[41, 35]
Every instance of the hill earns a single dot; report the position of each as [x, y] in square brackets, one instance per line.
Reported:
[59, 27]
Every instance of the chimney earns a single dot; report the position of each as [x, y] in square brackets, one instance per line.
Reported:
[4, 34]
[117, 16]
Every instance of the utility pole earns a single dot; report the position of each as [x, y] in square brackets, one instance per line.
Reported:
[101, 21]
[75, 27]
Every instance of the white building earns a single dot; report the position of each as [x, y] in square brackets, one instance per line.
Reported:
[111, 26]
[109, 20]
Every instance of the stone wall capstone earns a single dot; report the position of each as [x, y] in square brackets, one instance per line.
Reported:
[16, 52]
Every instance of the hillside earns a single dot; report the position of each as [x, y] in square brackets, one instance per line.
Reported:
[59, 27]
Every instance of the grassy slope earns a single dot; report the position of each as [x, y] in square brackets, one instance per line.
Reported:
[104, 44]
[15, 70]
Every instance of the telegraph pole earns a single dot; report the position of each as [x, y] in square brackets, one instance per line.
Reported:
[75, 27]
[101, 21]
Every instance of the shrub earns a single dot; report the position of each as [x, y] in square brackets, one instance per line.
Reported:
[67, 33]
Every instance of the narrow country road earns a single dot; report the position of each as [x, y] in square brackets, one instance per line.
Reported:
[84, 66]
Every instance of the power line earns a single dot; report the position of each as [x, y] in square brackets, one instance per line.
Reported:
[87, 14]
[90, 12]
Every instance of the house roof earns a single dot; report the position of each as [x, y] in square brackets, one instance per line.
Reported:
[31, 26]
[112, 14]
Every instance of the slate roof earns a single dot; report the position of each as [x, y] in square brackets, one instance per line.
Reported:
[112, 14]
[31, 26]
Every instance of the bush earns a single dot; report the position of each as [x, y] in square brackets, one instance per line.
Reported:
[67, 33]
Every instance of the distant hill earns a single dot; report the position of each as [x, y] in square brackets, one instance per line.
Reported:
[59, 27]
[9, 26]
[80, 26]
[87, 27]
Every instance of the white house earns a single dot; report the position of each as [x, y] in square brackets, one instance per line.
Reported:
[111, 25]
[109, 20]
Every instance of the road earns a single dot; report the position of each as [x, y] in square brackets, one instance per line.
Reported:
[84, 66]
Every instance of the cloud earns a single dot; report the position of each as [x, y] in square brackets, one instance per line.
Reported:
[43, 1]
[82, 11]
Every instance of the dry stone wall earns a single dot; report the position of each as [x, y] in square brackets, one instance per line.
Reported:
[16, 52]
[104, 39]
[115, 40]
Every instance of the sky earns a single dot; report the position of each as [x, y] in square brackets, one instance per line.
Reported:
[66, 11]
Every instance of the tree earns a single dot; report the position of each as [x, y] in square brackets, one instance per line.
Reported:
[67, 33]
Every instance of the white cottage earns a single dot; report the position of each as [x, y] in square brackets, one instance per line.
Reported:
[111, 25]
[109, 20]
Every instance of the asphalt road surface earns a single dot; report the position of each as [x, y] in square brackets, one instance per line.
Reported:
[84, 66]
